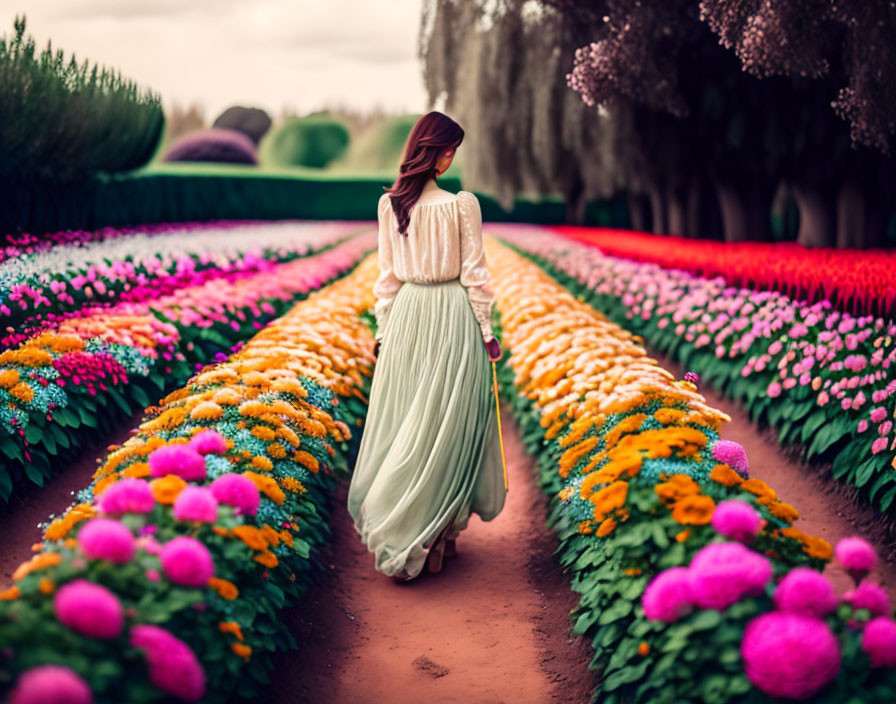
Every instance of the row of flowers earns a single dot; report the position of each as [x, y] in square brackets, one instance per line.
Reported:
[858, 281]
[39, 290]
[694, 582]
[166, 578]
[822, 378]
[65, 385]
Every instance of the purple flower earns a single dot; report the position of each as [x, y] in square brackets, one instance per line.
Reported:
[196, 503]
[181, 460]
[237, 491]
[869, 596]
[209, 442]
[173, 666]
[733, 454]
[128, 495]
[669, 595]
[736, 520]
[789, 655]
[805, 591]
[187, 562]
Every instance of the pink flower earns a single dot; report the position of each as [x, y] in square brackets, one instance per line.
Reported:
[805, 591]
[863, 425]
[823, 398]
[885, 428]
[878, 414]
[732, 454]
[789, 655]
[857, 557]
[736, 520]
[128, 495]
[89, 609]
[51, 684]
[237, 491]
[878, 445]
[173, 666]
[723, 573]
[196, 503]
[187, 562]
[775, 347]
[209, 442]
[668, 596]
[182, 460]
[879, 641]
[774, 390]
[869, 596]
[107, 539]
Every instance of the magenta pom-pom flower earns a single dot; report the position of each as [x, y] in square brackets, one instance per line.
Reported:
[209, 442]
[805, 591]
[857, 557]
[128, 495]
[723, 573]
[51, 684]
[107, 539]
[737, 520]
[182, 460]
[732, 454]
[869, 596]
[196, 503]
[879, 642]
[173, 666]
[692, 377]
[89, 609]
[187, 562]
[789, 655]
[237, 491]
[669, 596]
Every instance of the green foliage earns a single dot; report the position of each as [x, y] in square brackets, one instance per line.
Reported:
[313, 141]
[379, 147]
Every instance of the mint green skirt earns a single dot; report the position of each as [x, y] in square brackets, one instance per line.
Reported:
[430, 452]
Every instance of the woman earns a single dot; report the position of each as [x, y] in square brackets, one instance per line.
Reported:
[430, 453]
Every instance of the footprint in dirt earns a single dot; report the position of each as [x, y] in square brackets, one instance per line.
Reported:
[427, 666]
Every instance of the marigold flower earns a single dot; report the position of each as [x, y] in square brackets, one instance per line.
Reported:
[226, 590]
[231, 627]
[694, 510]
[725, 475]
[266, 558]
[167, 489]
[243, 650]
[677, 487]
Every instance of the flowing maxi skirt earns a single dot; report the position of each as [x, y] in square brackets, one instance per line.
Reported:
[430, 452]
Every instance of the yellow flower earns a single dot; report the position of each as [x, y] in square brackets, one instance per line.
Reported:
[8, 378]
[277, 451]
[261, 462]
[292, 485]
[694, 510]
[669, 416]
[207, 410]
[263, 432]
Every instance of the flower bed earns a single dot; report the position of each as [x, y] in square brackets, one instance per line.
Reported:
[856, 280]
[824, 379]
[166, 578]
[90, 369]
[40, 288]
[642, 484]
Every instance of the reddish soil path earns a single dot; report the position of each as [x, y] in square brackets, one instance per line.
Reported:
[492, 627]
[19, 519]
[827, 509]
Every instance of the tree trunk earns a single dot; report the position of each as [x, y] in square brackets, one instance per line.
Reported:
[817, 216]
[657, 209]
[676, 216]
[860, 221]
[745, 212]
[575, 203]
[638, 211]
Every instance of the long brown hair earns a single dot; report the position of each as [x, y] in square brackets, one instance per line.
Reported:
[432, 136]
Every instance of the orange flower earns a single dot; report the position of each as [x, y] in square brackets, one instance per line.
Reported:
[251, 536]
[606, 527]
[227, 590]
[46, 586]
[643, 648]
[137, 470]
[633, 571]
[166, 489]
[586, 526]
[669, 416]
[609, 498]
[725, 475]
[694, 510]
[243, 650]
[10, 594]
[783, 512]
[762, 490]
[231, 627]
[677, 487]
[37, 562]
[104, 484]
[22, 391]
[267, 558]
[684, 535]
[267, 486]
[306, 459]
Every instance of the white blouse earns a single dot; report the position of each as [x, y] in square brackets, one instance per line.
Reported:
[444, 242]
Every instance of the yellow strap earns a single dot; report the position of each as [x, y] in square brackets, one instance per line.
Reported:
[498, 410]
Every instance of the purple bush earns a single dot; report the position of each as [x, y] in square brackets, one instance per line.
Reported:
[217, 144]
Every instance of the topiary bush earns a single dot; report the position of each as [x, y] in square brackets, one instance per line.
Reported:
[215, 144]
[252, 122]
[313, 141]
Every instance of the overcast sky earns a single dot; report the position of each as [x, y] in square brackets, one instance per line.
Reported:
[304, 54]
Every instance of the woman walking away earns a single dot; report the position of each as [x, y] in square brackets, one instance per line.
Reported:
[430, 453]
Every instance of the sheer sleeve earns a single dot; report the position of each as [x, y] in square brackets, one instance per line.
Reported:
[474, 273]
[387, 284]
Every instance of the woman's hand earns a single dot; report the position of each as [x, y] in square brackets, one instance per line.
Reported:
[494, 349]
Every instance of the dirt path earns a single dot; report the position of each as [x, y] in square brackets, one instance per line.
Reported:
[34, 504]
[827, 509]
[492, 627]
